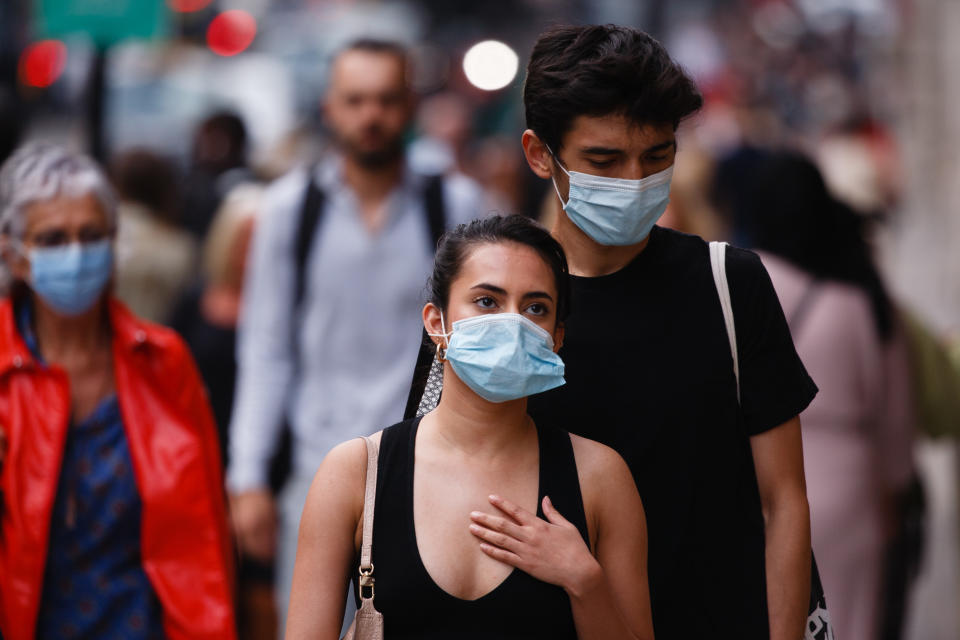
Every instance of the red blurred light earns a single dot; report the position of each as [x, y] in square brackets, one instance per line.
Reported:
[231, 32]
[188, 6]
[42, 63]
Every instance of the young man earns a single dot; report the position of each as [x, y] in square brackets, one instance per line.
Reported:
[332, 311]
[649, 368]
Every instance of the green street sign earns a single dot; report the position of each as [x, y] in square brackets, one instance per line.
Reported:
[105, 21]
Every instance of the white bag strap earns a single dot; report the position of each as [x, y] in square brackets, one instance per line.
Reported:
[369, 502]
[718, 262]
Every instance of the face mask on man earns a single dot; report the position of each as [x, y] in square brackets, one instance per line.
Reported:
[615, 211]
[70, 278]
[502, 356]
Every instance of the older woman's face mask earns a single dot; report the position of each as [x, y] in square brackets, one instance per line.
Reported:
[68, 244]
[70, 278]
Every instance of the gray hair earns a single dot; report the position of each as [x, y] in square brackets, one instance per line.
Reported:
[40, 172]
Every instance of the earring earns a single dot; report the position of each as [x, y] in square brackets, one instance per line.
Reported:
[441, 353]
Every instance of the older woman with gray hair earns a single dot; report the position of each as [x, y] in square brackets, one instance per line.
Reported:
[112, 513]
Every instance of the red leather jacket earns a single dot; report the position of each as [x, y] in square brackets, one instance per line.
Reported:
[185, 545]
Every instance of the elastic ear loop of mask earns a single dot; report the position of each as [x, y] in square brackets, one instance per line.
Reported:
[553, 180]
[445, 336]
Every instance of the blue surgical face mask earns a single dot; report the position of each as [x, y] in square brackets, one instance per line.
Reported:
[503, 356]
[614, 211]
[71, 278]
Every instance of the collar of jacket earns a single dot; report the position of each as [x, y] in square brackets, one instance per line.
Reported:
[129, 334]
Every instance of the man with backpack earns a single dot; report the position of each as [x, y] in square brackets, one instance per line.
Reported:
[331, 313]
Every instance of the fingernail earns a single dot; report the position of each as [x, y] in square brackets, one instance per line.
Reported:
[474, 527]
[475, 514]
[494, 497]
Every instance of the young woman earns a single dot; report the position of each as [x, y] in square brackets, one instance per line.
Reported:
[486, 524]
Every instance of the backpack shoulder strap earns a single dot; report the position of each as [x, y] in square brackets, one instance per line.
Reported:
[435, 208]
[718, 263]
[310, 213]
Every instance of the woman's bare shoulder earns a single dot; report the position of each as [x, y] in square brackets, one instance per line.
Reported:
[596, 458]
[342, 474]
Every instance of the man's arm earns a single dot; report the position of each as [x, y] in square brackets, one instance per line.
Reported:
[778, 458]
[265, 358]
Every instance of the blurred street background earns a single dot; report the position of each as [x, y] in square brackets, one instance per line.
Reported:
[193, 104]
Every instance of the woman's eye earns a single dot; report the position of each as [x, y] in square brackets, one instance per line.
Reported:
[657, 158]
[486, 302]
[537, 309]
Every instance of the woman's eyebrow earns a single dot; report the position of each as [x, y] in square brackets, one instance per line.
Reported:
[489, 287]
[537, 294]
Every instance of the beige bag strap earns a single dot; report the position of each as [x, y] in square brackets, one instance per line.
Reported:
[369, 502]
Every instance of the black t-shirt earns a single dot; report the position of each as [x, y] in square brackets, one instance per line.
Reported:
[649, 373]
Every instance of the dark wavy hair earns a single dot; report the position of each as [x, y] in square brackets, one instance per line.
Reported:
[455, 246]
[598, 70]
[778, 202]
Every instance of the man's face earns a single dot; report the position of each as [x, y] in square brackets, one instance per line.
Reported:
[611, 146]
[368, 106]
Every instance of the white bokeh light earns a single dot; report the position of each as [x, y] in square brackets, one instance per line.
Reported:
[490, 65]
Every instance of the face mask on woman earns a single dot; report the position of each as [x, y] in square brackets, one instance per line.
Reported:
[616, 211]
[70, 278]
[502, 356]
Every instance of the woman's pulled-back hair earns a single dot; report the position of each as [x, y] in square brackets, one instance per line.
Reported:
[599, 70]
[455, 245]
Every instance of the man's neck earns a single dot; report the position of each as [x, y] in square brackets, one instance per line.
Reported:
[588, 259]
[371, 187]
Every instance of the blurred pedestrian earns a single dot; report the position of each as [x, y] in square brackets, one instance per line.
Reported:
[716, 457]
[156, 259]
[218, 162]
[207, 318]
[858, 432]
[208, 314]
[112, 522]
[329, 323]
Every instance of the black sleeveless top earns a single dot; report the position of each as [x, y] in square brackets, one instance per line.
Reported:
[414, 606]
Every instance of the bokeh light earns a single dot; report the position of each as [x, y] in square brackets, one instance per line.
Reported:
[188, 6]
[42, 63]
[231, 32]
[490, 65]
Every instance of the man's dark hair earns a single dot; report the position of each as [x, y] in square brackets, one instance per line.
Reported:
[600, 70]
[375, 45]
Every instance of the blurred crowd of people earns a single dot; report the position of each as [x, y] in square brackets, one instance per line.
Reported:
[785, 159]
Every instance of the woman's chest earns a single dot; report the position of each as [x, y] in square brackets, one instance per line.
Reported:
[443, 499]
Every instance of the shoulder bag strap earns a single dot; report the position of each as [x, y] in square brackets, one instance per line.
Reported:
[369, 502]
[718, 262]
[436, 210]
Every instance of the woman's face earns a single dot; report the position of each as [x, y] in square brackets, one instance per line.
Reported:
[58, 222]
[504, 277]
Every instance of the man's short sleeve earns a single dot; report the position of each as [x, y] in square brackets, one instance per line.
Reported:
[774, 384]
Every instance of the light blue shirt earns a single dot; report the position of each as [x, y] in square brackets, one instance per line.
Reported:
[342, 369]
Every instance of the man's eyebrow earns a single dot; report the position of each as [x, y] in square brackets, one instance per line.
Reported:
[600, 151]
[663, 146]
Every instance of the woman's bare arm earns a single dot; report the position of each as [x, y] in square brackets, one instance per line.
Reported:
[620, 547]
[327, 545]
